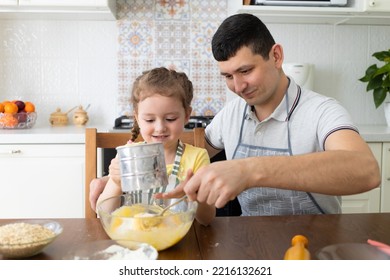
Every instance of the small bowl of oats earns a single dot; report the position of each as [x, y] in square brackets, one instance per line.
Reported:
[23, 239]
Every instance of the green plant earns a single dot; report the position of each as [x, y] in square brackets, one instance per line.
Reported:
[378, 78]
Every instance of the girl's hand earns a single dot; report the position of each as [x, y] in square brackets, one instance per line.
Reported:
[96, 187]
[114, 171]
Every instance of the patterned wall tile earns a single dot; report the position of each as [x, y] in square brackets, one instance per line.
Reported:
[135, 9]
[208, 10]
[181, 65]
[207, 106]
[201, 34]
[172, 10]
[208, 84]
[128, 70]
[136, 38]
[181, 40]
[172, 40]
[208, 81]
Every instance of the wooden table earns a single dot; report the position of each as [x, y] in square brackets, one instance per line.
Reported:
[269, 237]
[241, 237]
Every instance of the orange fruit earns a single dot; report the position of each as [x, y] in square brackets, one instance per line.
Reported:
[1, 108]
[8, 121]
[11, 108]
[29, 107]
[5, 103]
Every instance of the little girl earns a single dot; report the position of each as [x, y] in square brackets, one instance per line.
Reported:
[161, 100]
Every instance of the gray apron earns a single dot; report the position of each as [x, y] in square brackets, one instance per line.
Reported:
[264, 201]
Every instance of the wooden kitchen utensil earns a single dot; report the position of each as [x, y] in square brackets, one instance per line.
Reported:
[80, 116]
[59, 118]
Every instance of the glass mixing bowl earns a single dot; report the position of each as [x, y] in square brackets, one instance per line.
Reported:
[132, 217]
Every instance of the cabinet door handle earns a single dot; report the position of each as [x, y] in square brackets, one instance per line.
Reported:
[10, 152]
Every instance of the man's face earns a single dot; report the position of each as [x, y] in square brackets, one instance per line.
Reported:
[251, 77]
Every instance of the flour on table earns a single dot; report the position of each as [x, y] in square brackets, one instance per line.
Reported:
[116, 252]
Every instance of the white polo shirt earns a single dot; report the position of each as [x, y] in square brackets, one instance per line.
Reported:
[313, 117]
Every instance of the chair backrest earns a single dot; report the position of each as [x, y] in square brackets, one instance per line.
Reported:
[109, 140]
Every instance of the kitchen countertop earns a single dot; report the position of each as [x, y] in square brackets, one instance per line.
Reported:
[375, 133]
[72, 134]
[43, 135]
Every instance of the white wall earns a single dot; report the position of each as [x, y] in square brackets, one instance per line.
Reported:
[60, 64]
[341, 55]
[69, 63]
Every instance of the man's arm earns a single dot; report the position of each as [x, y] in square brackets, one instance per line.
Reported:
[346, 167]
[211, 151]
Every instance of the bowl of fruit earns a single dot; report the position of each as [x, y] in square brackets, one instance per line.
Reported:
[17, 114]
[134, 217]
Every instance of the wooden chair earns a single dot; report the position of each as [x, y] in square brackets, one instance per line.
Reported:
[106, 140]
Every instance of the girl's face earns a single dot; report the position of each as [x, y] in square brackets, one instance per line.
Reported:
[161, 119]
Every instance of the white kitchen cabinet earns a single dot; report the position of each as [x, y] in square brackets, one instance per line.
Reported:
[368, 202]
[8, 2]
[58, 9]
[385, 193]
[366, 12]
[378, 199]
[42, 180]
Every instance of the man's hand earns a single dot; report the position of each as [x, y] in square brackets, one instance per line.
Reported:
[217, 183]
[177, 192]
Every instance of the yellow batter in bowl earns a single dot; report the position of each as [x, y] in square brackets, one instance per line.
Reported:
[133, 222]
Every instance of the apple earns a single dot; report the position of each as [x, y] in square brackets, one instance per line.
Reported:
[20, 105]
[22, 117]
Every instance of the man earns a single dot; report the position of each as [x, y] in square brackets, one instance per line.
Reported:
[289, 150]
[293, 151]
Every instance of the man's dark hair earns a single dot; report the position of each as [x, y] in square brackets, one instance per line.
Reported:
[238, 31]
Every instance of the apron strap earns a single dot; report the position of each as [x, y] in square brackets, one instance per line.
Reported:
[172, 179]
[176, 163]
[242, 127]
